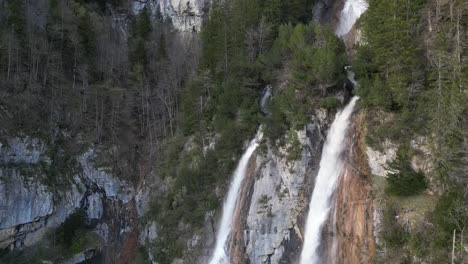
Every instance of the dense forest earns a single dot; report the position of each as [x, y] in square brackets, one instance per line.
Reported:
[80, 73]
[87, 72]
[413, 73]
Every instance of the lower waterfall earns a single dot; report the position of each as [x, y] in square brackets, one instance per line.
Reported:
[331, 165]
[220, 254]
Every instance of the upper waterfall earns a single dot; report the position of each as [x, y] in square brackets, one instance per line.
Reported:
[331, 165]
[220, 254]
[352, 10]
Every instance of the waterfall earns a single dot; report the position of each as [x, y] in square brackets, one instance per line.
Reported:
[267, 94]
[352, 10]
[331, 165]
[220, 254]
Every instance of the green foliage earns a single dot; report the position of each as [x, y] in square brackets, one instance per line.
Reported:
[141, 32]
[277, 123]
[263, 200]
[419, 241]
[450, 214]
[404, 181]
[431, 240]
[141, 256]
[167, 250]
[316, 57]
[87, 37]
[214, 35]
[294, 146]
[392, 232]
[82, 239]
[273, 11]
[69, 229]
[329, 102]
[16, 20]
[143, 26]
[297, 11]
[375, 93]
[393, 48]
[49, 249]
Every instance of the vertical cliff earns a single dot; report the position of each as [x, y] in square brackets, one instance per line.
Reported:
[38, 193]
[270, 213]
[354, 202]
[185, 15]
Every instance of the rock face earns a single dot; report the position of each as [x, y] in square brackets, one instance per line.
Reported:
[29, 207]
[354, 239]
[378, 160]
[272, 207]
[422, 160]
[26, 202]
[275, 194]
[185, 15]
[324, 11]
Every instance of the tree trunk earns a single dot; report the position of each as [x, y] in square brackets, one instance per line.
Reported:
[9, 58]
[453, 246]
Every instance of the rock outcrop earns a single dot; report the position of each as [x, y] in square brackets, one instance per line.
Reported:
[354, 203]
[30, 206]
[270, 214]
[379, 159]
[185, 15]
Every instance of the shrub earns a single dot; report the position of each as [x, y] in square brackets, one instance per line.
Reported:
[450, 214]
[392, 232]
[404, 181]
[329, 102]
[72, 224]
[294, 146]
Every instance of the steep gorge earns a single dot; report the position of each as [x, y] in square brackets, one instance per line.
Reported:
[122, 123]
[344, 217]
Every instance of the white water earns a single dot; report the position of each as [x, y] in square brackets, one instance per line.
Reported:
[220, 254]
[331, 166]
[352, 10]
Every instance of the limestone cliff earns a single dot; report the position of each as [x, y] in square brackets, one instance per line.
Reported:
[275, 194]
[354, 202]
[185, 15]
[31, 206]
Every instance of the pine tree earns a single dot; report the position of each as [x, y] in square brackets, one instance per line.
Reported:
[144, 26]
[393, 45]
[87, 37]
[404, 181]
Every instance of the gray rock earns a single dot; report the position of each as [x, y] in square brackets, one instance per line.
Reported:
[276, 202]
[149, 233]
[68, 201]
[103, 231]
[95, 208]
[185, 15]
[22, 150]
[28, 208]
[423, 159]
[378, 160]
[266, 98]
[114, 188]
[22, 201]
[81, 257]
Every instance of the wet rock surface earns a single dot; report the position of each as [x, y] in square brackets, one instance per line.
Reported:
[269, 221]
[354, 203]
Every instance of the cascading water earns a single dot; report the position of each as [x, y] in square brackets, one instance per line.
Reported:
[352, 10]
[220, 254]
[331, 165]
